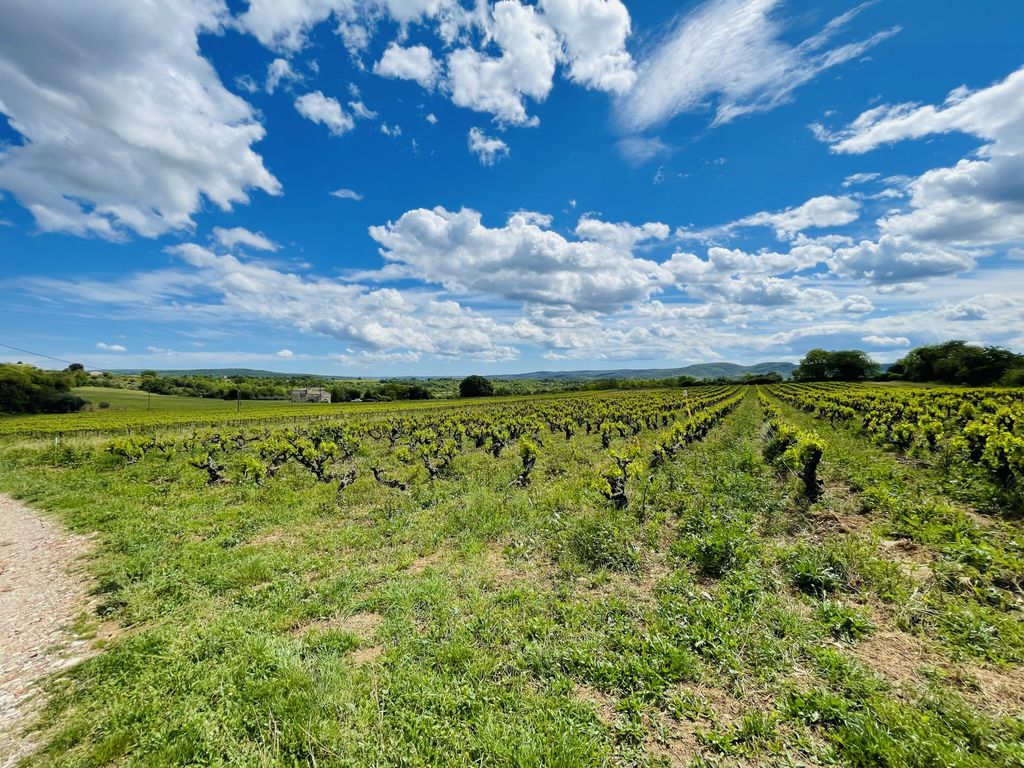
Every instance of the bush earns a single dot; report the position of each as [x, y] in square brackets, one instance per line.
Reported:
[1013, 378]
[799, 451]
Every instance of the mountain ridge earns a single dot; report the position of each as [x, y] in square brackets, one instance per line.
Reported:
[697, 370]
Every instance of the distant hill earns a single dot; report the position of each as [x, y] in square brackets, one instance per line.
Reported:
[698, 370]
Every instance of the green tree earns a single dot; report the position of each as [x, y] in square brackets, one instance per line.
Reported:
[76, 375]
[957, 362]
[26, 389]
[835, 365]
[475, 386]
[344, 393]
[417, 392]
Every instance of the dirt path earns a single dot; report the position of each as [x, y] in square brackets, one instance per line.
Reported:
[42, 591]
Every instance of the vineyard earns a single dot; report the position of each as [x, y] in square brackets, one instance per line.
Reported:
[793, 574]
[963, 427]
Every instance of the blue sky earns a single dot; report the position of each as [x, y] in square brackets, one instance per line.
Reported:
[443, 187]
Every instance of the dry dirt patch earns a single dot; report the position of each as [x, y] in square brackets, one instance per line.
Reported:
[1001, 690]
[42, 591]
[362, 624]
[495, 571]
[603, 703]
[366, 655]
[421, 564]
[679, 748]
[899, 657]
[896, 656]
[913, 559]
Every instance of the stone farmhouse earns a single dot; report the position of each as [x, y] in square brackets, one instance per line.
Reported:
[311, 395]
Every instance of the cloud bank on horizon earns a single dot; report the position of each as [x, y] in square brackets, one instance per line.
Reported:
[436, 186]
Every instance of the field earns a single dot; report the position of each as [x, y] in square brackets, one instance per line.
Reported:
[729, 575]
[170, 412]
[136, 400]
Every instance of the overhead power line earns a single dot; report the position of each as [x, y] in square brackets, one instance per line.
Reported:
[40, 354]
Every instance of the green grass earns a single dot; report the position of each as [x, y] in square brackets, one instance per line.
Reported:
[135, 400]
[469, 622]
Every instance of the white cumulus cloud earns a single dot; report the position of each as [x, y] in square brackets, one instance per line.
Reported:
[586, 38]
[129, 128]
[488, 149]
[326, 111]
[381, 319]
[279, 71]
[893, 259]
[229, 238]
[818, 212]
[525, 68]
[953, 213]
[413, 63]
[594, 34]
[994, 114]
[886, 341]
[347, 194]
[521, 261]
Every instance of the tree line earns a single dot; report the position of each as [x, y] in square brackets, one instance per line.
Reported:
[951, 362]
[27, 389]
[258, 388]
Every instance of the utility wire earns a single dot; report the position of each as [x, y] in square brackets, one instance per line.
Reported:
[48, 357]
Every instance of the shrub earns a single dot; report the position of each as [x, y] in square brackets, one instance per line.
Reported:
[803, 458]
[1013, 378]
[627, 463]
[130, 448]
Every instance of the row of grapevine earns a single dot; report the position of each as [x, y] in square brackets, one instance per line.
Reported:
[263, 414]
[983, 427]
[405, 447]
[791, 449]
